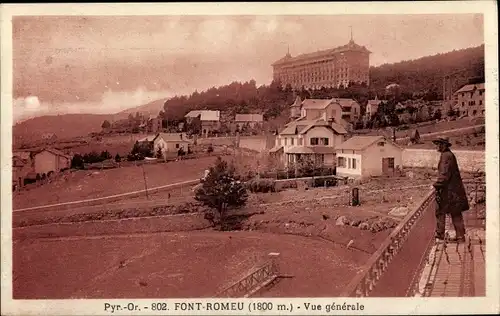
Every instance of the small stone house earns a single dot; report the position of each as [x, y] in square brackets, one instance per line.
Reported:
[366, 156]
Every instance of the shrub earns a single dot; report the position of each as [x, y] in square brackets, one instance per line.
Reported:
[222, 192]
[210, 149]
[77, 162]
[261, 185]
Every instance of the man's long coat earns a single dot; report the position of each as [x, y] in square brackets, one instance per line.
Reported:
[450, 188]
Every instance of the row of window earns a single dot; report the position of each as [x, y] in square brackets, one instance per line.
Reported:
[481, 92]
[471, 103]
[349, 163]
[314, 141]
[319, 159]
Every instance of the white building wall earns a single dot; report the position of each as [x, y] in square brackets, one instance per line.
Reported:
[333, 139]
[372, 158]
[46, 162]
[348, 170]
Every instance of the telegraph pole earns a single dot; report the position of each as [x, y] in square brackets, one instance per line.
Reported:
[145, 182]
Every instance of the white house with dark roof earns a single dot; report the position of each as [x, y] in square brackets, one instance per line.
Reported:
[340, 111]
[210, 120]
[252, 120]
[309, 139]
[365, 156]
[170, 143]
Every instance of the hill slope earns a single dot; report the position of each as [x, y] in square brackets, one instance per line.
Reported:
[151, 108]
[63, 126]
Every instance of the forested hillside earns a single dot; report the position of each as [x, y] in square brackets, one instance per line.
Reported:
[426, 74]
[420, 78]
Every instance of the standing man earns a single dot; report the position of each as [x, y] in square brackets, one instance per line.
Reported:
[450, 192]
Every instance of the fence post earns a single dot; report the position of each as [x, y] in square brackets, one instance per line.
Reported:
[355, 197]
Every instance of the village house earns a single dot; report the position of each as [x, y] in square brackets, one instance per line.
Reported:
[50, 160]
[151, 125]
[22, 168]
[314, 140]
[470, 100]
[314, 109]
[251, 120]
[351, 110]
[210, 120]
[366, 156]
[170, 143]
[372, 107]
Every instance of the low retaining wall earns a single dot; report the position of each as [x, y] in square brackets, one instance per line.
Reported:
[468, 160]
[258, 143]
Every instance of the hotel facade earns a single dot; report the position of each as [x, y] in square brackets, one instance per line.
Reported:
[329, 68]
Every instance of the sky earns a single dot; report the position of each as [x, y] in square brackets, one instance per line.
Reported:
[91, 64]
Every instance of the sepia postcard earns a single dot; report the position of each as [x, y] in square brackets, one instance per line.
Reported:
[329, 158]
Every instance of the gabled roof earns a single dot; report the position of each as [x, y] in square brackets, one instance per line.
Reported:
[471, 87]
[315, 104]
[351, 46]
[339, 129]
[18, 161]
[302, 126]
[345, 102]
[249, 118]
[359, 142]
[172, 137]
[205, 115]
[149, 138]
[53, 151]
[297, 102]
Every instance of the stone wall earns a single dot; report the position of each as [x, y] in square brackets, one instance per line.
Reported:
[468, 160]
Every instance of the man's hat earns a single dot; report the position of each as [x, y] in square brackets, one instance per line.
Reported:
[442, 140]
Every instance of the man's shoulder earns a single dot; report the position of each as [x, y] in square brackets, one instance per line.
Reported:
[447, 155]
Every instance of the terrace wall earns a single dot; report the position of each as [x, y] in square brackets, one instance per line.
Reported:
[468, 160]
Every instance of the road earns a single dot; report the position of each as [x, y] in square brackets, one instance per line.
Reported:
[110, 197]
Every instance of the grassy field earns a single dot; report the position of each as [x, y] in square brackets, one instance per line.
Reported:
[298, 224]
[87, 184]
[193, 264]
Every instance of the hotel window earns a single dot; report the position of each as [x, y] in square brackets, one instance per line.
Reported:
[353, 163]
[324, 141]
[380, 144]
[480, 102]
[299, 141]
[284, 139]
[314, 141]
[291, 141]
[341, 162]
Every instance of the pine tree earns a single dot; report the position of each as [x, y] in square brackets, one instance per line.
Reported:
[222, 191]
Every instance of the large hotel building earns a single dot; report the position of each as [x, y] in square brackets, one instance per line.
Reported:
[326, 68]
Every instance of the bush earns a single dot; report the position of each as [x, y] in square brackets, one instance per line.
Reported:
[210, 149]
[77, 162]
[320, 182]
[261, 185]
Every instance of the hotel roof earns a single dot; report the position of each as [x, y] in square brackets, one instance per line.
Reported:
[351, 46]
